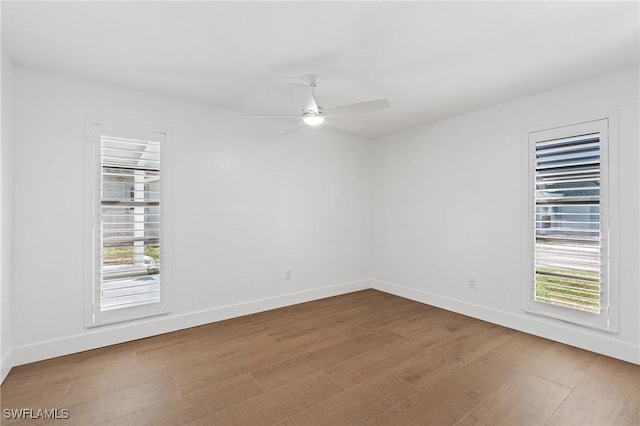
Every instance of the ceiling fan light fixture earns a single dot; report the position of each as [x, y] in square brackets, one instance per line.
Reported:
[313, 120]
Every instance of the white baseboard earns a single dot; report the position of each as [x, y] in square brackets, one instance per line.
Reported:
[602, 343]
[6, 364]
[109, 335]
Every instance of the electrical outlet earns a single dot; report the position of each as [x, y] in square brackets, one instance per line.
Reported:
[471, 283]
[288, 274]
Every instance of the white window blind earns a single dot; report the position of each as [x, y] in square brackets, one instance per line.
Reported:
[569, 189]
[129, 231]
[568, 232]
[125, 265]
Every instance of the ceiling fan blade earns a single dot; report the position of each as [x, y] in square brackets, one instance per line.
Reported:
[268, 116]
[359, 107]
[313, 103]
[292, 129]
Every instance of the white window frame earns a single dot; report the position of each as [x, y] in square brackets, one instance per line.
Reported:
[93, 316]
[607, 126]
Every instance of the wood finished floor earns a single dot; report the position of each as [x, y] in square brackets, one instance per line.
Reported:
[365, 358]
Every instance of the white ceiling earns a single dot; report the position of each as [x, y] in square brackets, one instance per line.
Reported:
[430, 59]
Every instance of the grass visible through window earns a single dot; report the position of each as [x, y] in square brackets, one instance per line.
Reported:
[575, 289]
[117, 255]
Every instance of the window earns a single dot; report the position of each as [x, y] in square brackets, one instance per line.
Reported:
[127, 221]
[569, 278]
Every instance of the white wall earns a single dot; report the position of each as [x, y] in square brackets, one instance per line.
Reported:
[450, 203]
[5, 215]
[245, 208]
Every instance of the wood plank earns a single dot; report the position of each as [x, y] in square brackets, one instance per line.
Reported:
[170, 411]
[524, 399]
[44, 396]
[358, 405]
[180, 409]
[206, 372]
[410, 325]
[562, 364]
[209, 399]
[118, 421]
[379, 360]
[608, 394]
[291, 369]
[108, 407]
[518, 351]
[433, 364]
[449, 399]
[278, 404]
[99, 385]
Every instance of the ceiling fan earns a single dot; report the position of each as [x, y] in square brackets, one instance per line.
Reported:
[313, 114]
